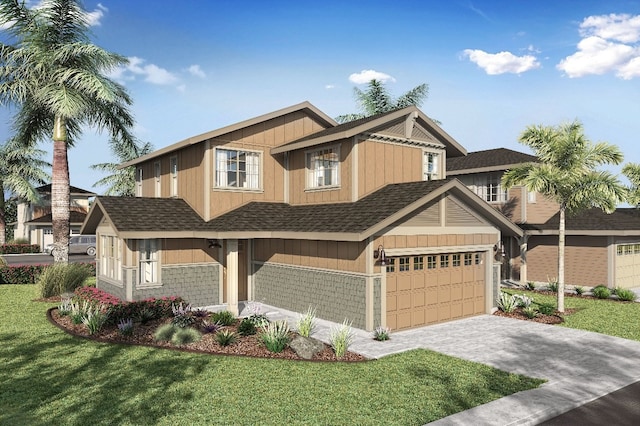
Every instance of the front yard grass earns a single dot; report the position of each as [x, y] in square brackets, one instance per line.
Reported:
[48, 377]
[606, 316]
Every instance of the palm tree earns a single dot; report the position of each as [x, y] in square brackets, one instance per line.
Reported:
[632, 172]
[57, 80]
[20, 168]
[121, 181]
[376, 99]
[567, 173]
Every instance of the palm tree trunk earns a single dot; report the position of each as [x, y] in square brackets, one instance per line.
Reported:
[3, 221]
[60, 197]
[561, 238]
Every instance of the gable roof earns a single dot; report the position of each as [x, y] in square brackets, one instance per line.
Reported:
[173, 218]
[75, 218]
[487, 161]
[623, 221]
[371, 124]
[46, 189]
[303, 106]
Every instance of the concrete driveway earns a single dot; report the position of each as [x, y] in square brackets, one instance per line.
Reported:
[579, 366]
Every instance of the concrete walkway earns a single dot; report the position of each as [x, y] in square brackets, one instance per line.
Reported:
[580, 366]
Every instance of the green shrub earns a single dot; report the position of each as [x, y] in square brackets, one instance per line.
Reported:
[546, 308]
[579, 290]
[507, 303]
[20, 274]
[60, 278]
[145, 314]
[530, 312]
[224, 318]
[164, 333]
[307, 323]
[530, 285]
[225, 337]
[64, 308]
[246, 327]
[182, 315]
[275, 335]
[553, 286]
[94, 318]
[210, 327]
[183, 336]
[625, 294]
[341, 338]
[601, 292]
[19, 247]
[381, 333]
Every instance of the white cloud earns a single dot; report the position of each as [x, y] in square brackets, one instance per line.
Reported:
[501, 62]
[609, 44]
[93, 18]
[197, 71]
[366, 76]
[596, 55]
[149, 72]
[619, 27]
[330, 86]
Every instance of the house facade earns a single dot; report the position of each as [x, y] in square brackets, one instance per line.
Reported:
[34, 219]
[358, 220]
[600, 249]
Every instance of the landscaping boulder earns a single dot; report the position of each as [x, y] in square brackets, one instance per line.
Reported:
[306, 347]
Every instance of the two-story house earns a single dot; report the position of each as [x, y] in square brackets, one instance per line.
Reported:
[357, 220]
[34, 219]
[601, 249]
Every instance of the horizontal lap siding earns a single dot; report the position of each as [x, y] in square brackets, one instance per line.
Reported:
[585, 260]
[187, 250]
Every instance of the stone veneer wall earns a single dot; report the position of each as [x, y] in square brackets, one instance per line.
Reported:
[334, 295]
[496, 283]
[110, 287]
[377, 302]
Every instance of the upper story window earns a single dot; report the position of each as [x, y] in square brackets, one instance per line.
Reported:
[156, 175]
[139, 182]
[237, 169]
[430, 167]
[173, 170]
[489, 188]
[323, 168]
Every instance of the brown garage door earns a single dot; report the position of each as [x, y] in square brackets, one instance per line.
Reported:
[427, 289]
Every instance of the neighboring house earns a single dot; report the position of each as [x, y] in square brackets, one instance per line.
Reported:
[34, 220]
[600, 248]
[357, 220]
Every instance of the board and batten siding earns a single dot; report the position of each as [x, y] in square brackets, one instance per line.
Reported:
[346, 256]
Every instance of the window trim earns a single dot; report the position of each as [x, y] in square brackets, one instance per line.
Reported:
[310, 174]
[153, 261]
[139, 177]
[157, 175]
[484, 184]
[217, 177]
[173, 175]
[435, 173]
[111, 258]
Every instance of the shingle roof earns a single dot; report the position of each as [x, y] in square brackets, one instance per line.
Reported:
[330, 218]
[489, 158]
[150, 214]
[74, 217]
[623, 219]
[46, 189]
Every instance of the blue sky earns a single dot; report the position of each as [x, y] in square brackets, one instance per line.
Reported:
[493, 67]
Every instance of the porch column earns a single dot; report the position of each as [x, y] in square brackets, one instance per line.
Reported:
[232, 276]
[523, 258]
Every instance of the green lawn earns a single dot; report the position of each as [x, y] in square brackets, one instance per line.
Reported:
[48, 377]
[610, 317]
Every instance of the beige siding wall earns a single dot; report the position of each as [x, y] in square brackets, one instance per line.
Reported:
[336, 255]
[382, 163]
[542, 210]
[192, 250]
[443, 240]
[585, 260]
[299, 194]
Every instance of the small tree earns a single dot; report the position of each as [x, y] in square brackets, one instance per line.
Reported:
[632, 172]
[567, 173]
[121, 181]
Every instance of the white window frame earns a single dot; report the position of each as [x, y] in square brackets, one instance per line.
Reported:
[157, 173]
[110, 257]
[139, 182]
[319, 169]
[173, 170]
[148, 264]
[228, 171]
[489, 188]
[430, 165]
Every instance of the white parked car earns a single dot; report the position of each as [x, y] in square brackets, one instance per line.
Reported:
[78, 244]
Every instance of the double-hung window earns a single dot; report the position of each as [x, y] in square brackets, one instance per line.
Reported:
[148, 252]
[323, 168]
[237, 169]
[110, 263]
[489, 188]
[430, 166]
[157, 175]
[139, 182]
[173, 170]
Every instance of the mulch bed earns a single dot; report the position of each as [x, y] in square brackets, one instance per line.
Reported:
[250, 346]
[556, 318]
